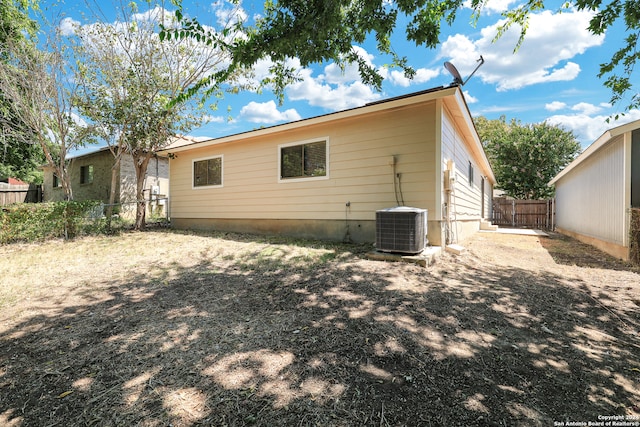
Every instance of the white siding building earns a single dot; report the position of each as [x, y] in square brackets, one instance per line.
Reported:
[594, 194]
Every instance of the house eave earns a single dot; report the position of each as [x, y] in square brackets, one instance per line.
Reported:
[414, 98]
[471, 132]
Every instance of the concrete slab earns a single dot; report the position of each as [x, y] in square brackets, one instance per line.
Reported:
[426, 258]
[455, 249]
[521, 231]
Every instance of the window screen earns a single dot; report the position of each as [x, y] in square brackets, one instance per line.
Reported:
[86, 174]
[207, 172]
[304, 160]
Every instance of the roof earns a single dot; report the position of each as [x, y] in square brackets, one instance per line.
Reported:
[89, 152]
[453, 98]
[178, 141]
[604, 139]
[372, 106]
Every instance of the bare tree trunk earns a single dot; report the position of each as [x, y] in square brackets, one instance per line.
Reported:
[66, 188]
[65, 181]
[140, 163]
[114, 185]
[112, 192]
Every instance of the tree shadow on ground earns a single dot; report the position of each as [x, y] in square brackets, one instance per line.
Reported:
[568, 251]
[334, 341]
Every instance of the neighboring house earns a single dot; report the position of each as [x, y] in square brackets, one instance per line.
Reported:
[91, 179]
[595, 192]
[325, 177]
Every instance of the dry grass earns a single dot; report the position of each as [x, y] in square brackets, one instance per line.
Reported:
[168, 328]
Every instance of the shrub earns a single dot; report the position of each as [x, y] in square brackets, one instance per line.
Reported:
[29, 222]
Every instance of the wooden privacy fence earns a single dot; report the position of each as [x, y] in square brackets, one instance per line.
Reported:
[20, 194]
[524, 213]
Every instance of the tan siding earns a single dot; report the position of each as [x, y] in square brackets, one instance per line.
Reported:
[590, 199]
[360, 150]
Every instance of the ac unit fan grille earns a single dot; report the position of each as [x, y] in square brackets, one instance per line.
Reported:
[401, 230]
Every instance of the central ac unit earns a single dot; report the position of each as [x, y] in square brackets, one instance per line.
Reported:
[401, 229]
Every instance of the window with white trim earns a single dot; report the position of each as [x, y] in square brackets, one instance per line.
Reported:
[304, 160]
[207, 172]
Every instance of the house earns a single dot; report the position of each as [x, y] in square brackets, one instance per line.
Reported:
[595, 192]
[91, 179]
[325, 177]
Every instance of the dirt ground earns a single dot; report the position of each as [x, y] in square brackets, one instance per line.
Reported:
[164, 328]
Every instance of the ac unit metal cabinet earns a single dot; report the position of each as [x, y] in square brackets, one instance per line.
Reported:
[401, 229]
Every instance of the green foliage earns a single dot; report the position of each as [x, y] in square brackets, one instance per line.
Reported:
[131, 81]
[22, 160]
[319, 30]
[18, 158]
[15, 23]
[26, 222]
[525, 158]
[37, 92]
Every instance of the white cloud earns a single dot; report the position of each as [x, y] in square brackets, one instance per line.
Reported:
[322, 95]
[555, 106]
[214, 119]
[586, 108]
[267, 112]
[552, 40]
[493, 6]
[260, 71]
[334, 89]
[470, 99]
[78, 120]
[423, 75]
[228, 13]
[157, 14]
[589, 128]
[68, 26]
[333, 74]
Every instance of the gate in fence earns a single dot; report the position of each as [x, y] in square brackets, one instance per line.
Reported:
[524, 213]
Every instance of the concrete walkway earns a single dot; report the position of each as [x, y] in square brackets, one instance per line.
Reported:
[522, 231]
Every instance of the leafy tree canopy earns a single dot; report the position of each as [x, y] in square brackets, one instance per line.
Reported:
[525, 157]
[129, 76]
[321, 30]
[19, 157]
[15, 22]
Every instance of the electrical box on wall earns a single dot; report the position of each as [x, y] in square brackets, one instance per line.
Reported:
[449, 176]
[449, 180]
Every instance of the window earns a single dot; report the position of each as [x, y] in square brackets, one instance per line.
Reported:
[470, 174]
[56, 181]
[86, 174]
[306, 160]
[207, 172]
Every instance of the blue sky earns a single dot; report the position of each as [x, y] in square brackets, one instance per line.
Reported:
[552, 77]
